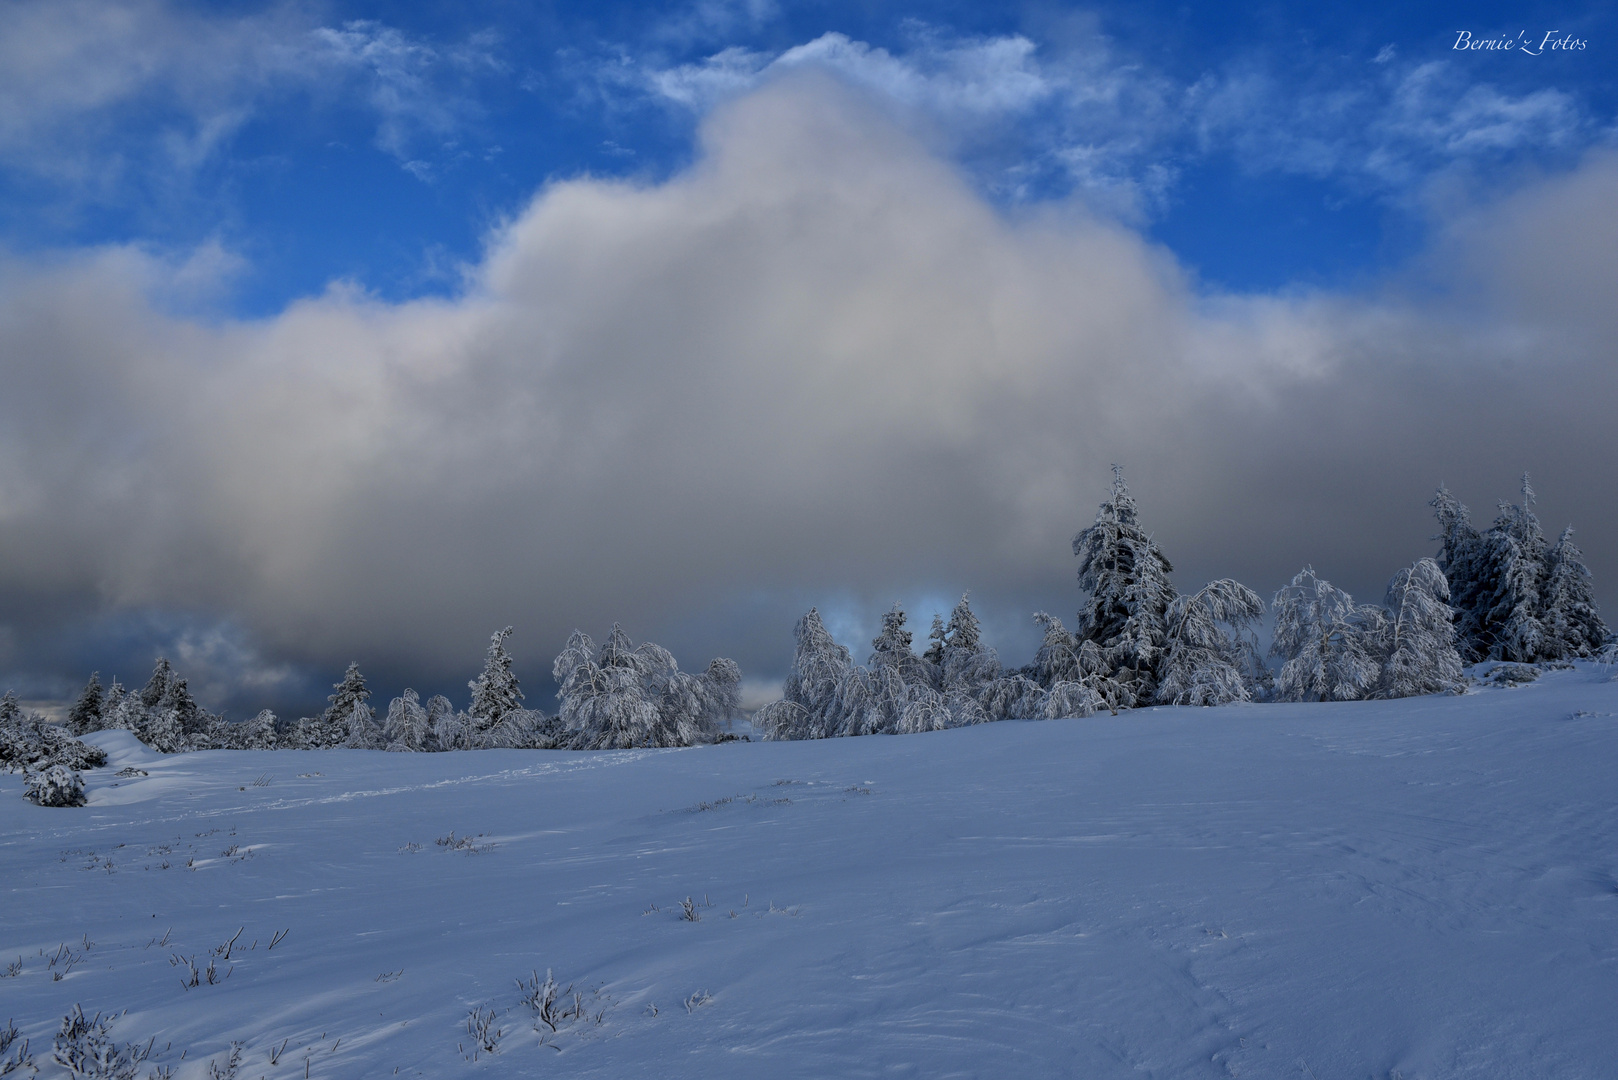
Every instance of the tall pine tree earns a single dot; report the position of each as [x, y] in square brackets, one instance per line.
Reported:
[495, 692]
[85, 715]
[1571, 624]
[1127, 577]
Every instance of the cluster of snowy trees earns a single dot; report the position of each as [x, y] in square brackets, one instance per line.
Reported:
[1139, 641]
[1499, 594]
[30, 743]
[617, 695]
[1516, 597]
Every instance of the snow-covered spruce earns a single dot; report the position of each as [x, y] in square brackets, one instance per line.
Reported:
[1516, 598]
[1127, 579]
[55, 786]
[31, 743]
[958, 682]
[620, 695]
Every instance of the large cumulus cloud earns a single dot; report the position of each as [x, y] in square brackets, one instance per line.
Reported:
[815, 367]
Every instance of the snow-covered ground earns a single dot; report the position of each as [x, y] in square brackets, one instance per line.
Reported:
[1419, 888]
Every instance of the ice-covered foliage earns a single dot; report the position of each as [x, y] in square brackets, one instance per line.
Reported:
[338, 725]
[55, 786]
[1127, 579]
[85, 716]
[956, 683]
[32, 743]
[1418, 646]
[259, 733]
[495, 691]
[619, 695]
[811, 704]
[1065, 657]
[1571, 624]
[1329, 645]
[1210, 655]
[406, 727]
[1515, 597]
[347, 693]
[447, 726]
[85, 1047]
[1460, 557]
[1514, 564]
[157, 685]
[966, 664]
[361, 731]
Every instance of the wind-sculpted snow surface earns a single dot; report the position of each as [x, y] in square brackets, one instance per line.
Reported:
[1425, 887]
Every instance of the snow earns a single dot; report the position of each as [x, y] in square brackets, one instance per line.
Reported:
[1425, 887]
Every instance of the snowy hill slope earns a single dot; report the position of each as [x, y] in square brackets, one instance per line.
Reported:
[1418, 888]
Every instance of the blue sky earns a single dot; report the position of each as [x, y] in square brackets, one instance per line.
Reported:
[693, 315]
[1264, 146]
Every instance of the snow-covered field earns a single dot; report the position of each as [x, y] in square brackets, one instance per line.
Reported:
[1418, 888]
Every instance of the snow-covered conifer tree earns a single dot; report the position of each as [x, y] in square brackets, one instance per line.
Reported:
[1127, 578]
[448, 727]
[163, 730]
[1419, 636]
[347, 693]
[495, 692]
[1330, 646]
[193, 721]
[85, 716]
[360, 729]
[1461, 557]
[123, 709]
[258, 733]
[604, 701]
[1058, 657]
[407, 727]
[157, 685]
[1514, 561]
[1572, 625]
[1204, 663]
[1014, 696]
[816, 689]
[933, 658]
[721, 700]
[893, 672]
[10, 708]
[968, 666]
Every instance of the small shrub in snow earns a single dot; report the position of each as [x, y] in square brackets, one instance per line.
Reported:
[85, 1047]
[1512, 674]
[56, 786]
[228, 1069]
[14, 1055]
[485, 1032]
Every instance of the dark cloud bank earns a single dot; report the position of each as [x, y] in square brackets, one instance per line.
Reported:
[815, 369]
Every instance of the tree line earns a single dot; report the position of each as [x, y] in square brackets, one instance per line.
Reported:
[1498, 594]
[614, 695]
[1501, 593]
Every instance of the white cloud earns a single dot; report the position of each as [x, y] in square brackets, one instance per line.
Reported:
[1032, 121]
[815, 365]
[93, 91]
